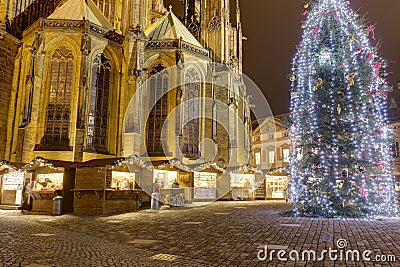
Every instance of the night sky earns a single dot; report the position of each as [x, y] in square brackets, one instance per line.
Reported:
[273, 31]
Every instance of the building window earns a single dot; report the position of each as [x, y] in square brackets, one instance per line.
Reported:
[270, 136]
[285, 134]
[191, 109]
[271, 156]
[56, 135]
[158, 100]
[395, 149]
[286, 155]
[98, 105]
[258, 158]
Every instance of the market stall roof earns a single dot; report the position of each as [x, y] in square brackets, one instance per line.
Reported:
[42, 162]
[4, 165]
[278, 172]
[203, 167]
[98, 162]
[113, 162]
[165, 165]
[247, 169]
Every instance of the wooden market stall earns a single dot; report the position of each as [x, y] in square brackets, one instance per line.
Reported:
[105, 186]
[13, 182]
[210, 183]
[244, 183]
[51, 178]
[276, 184]
[172, 184]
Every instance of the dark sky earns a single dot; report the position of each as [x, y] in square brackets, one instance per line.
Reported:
[273, 31]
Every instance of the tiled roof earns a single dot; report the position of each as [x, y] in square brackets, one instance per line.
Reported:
[80, 9]
[170, 27]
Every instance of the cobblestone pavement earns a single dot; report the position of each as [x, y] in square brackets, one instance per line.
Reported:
[219, 234]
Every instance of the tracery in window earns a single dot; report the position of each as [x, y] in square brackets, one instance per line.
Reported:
[58, 111]
[158, 115]
[97, 136]
[191, 109]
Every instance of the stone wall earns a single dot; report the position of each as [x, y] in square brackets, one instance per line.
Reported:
[8, 51]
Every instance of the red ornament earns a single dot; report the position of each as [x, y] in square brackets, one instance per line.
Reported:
[371, 30]
[369, 56]
[362, 190]
[304, 12]
[335, 14]
[357, 107]
[377, 67]
[315, 31]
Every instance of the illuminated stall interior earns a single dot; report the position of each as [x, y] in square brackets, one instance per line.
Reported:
[243, 185]
[276, 186]
[51, 179]
[105, 186]
[12, 180]
[172, 184]
[210, 184]
[205, 186]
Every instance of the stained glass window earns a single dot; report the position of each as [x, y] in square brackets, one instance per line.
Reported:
[158, 115]
[59, 105]
[191, 111]
[97, 136]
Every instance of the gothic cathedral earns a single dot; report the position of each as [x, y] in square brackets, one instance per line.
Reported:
[72, 74]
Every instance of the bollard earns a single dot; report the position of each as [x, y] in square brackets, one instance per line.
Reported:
[155, 204]
[57, 205]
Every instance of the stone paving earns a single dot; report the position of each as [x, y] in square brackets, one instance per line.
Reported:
[219, 234]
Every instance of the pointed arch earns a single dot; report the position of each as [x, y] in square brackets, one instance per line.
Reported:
[191, 114]
[98, 116]
[58, 111]
[158, 101]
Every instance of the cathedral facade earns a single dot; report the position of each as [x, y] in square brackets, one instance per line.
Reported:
[70, 70]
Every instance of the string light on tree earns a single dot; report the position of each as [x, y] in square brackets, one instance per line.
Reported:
[340, 165]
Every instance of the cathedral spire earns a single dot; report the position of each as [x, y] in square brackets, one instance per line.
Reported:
[190, 11]
[238, 15]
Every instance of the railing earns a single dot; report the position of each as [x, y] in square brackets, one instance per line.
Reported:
[177, 44]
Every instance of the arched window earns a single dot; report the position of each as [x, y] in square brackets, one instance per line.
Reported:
[56, 135]
[158, 115]
[191, 109]
[97, 136]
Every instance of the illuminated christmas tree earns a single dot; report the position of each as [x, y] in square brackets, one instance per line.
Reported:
[340, 161]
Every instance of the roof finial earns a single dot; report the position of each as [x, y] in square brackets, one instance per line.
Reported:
[170, 8]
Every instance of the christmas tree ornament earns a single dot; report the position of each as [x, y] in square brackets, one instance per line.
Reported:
[350, 77]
